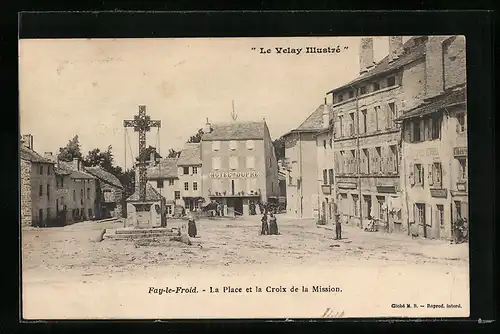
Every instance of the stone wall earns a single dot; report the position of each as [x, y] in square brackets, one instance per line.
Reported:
[26, 217]
[454, 62]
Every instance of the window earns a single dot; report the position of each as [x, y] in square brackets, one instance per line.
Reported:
[250, 161]
[364, 120]
[391, 114]
[378, 159]
[463, 168]
[376, 86]
[461, 123]
[186, 186]
[362, 90]
[341, 126]
[233, 145]
[420, 213]
[40, 191]
[88, 193]
[435, 125]
[325, 176]
[377, 116]
[331, 143]
[49, 170]
[355, 205]
[195, 170]
[342, 162]
[330, 176]
[168, 209]
[216, 162]
[416, 132]
[81, 196]
[458, 209]
[324, 144]
[170, 182]
[435, 174]
[41, 170]
[394, 159]
[366, 160]
[177, 194]
[185, 170]
[440, 214]
[351, 125]
[391, 81]
[159, 183]
[216, 145]
[419, 174]
[380, 202]
[249, 144]
[351, 94]
[354, 162]
[195, 185]
[341, 97]
[90, 213]
[74, 195]
[233, 162]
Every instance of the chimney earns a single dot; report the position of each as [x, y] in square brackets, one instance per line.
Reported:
[326, 116]
[76, 164]
[27, 141]
[365, 54]
[395, 47]
[48, 155]
[434, 75]
[208, 127]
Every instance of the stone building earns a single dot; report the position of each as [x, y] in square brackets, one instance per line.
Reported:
[145, 212]
[434, 163]
[301, 162]
[239, 165]
[76, 191]
[38, 200]
[190, 174]
[366, 139]
[164, 179]
[109, 193]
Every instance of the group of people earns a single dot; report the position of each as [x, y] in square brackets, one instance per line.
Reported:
[269, 227]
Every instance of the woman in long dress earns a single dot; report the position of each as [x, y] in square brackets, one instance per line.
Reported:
[192, 227]
[265, 227]
[273, 225]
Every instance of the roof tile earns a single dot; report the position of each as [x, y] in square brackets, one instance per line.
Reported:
[236, 131]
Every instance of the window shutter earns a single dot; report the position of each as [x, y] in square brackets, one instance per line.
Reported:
[428, 216]
[431, 174]
[388, 117]
[411, 125]
[465, 209]
[422, 130]
[412, 174]
[436, 217]
[423, 175]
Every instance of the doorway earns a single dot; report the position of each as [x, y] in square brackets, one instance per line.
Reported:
[238, 207]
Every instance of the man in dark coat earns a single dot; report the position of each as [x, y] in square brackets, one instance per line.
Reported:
[338, 227]
[192, 227]
[265, 227]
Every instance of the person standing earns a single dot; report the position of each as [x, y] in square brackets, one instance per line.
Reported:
[192, 227]
[338, 227]
[273, 225]
[265, 227]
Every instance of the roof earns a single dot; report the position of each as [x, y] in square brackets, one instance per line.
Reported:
[190, 155]
[413, 50]
[314, 122]
[30, 155]
[74, 174]
[60, 171]
[166, 168]
[236, 131]
[444, 100]
[104, 176]
[151, 195]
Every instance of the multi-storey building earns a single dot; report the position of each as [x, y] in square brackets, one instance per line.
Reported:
[190, 171]
[302, 197]
[76, 192]
[434, 164]
[164, 179]
[38, 200]
[239, 165]
[366, 138]
[109, 194]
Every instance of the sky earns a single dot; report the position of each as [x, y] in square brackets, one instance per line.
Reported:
[89, 86]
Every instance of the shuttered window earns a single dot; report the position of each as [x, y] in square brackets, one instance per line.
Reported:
[233, 163]
[216, 163]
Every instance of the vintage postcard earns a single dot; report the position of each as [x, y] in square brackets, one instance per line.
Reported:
[201, 178]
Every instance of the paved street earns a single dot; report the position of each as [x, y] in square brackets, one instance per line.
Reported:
[55, 259]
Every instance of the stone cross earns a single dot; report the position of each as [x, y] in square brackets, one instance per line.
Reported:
[142, 123]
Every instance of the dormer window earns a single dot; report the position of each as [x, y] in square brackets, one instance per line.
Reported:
[391, 81]
[362, 90]
[341, 97]
[376, 86]
[351, 94]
